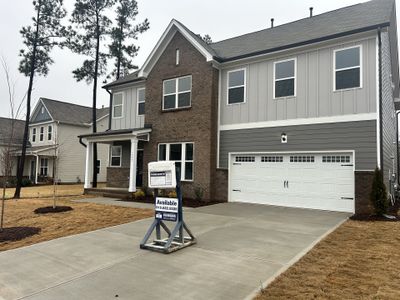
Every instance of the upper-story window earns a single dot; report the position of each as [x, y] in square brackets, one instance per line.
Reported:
[141, 93]
[41, 135]
[117, 105]
[49, 132]
[285, 78]
[347, 66]
[177, 93]
[33, 135]
[237, 86]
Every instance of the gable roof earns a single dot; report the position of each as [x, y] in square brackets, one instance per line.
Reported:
[5, 131]
[70, 113]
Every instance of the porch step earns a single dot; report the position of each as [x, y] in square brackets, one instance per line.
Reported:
[110, 193]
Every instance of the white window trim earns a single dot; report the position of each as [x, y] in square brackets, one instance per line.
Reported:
[44, 167]
[236, 86]
[122, 105]
[348, 68]
[286, 78]
[50, 132]
[176, 93]
[120, 156]
[183, 160]
[41, 134]
[137, 98]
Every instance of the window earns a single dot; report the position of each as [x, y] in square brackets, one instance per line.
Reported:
[116, 156]
[245, 159]
[336, 159]
[274, 159]
[33, 135]
[118, 104]
[44, 166]
[236, 86]
[49, 132]
[177, 57]
[285, 78]
[41, 135]
[301, 159]
[98, 166]
[177, 92]
[182, 154]
[347, 64]
[141, 100]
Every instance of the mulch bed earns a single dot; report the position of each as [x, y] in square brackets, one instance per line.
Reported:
[17, 233]
[374, 218]
[51, 209]
[186, 202]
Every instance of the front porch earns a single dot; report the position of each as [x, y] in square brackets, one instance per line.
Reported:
[125, 168]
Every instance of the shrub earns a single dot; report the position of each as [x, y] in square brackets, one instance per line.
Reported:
[145, 190]
[172, 194]
[139, 194]
[378, 197]
[198, 193]
[26, 182]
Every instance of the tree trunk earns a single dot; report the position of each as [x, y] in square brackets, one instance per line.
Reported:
[20, 171]
[119, 52]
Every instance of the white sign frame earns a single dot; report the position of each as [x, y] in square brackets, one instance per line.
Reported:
[162, 175]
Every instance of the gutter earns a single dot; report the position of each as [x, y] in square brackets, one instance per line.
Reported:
[380, 98]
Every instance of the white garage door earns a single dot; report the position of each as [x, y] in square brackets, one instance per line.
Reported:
[319, 181]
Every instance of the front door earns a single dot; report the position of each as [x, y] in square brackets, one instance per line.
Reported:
[139, 168]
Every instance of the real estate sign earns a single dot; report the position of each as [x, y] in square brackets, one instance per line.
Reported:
[166, 209]
[162, 174]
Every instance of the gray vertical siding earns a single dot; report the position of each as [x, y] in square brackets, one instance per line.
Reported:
[358, 136]
[315, 96]
[130, 118]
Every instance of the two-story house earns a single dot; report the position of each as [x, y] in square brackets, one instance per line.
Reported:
[55, 151]
[294, 115]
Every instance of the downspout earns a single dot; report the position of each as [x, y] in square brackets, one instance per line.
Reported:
[109, 114]
[380, 99]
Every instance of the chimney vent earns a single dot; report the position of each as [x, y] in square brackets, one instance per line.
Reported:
[272, 22]
[311, 11]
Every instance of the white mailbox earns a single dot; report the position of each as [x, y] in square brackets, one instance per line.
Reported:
[162, 175]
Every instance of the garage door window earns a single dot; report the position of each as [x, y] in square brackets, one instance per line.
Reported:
[273, 159]
[245, 159]
[335, 159]
[302, 159]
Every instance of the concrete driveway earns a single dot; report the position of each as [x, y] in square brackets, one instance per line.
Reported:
[240, 246]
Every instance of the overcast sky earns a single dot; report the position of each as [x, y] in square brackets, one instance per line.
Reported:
[220, 19]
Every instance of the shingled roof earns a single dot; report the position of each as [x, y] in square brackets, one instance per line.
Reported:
[5, 131]
[70, 113]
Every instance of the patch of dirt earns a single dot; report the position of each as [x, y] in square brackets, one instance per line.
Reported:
[17, 233]
[51, 209]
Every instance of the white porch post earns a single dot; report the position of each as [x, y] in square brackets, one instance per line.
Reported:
[88, 170]
[133, 165]
[37, 169]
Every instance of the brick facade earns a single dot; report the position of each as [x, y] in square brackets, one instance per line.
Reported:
[118, 177]
[197, 124]
[363, 187]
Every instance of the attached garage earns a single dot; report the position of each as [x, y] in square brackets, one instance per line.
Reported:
[309, 180]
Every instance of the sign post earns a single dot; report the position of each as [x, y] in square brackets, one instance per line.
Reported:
[163, 175]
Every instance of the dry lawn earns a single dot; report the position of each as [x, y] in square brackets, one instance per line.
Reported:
[84, 217]
[360, 260]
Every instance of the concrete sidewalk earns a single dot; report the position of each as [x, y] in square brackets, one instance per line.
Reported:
[239, 247]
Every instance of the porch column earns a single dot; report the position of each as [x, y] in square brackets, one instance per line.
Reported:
[133, 165]
[88, 179]
[37, 169]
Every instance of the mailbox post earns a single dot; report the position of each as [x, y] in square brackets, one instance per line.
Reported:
[163, 175]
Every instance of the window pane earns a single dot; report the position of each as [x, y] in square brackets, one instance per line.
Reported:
[117, 111]
[348, 58]
[162, 152]
[185, 84]
[169, 102]
[189, 151]
[184, 99]
[348, 79]
[116, 151]
[236, 78]
[117, 99]
[189, 171]
[141, 95]
[178, 168]
[115, 161]
[236, 95]
[169, 86]
[141, 108]
[175, 152]
[284, 88]
[284, 69]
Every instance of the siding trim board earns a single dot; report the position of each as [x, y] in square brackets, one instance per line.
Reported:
[303, 121]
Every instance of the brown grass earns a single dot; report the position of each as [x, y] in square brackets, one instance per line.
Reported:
[360, 260]
[84, 217]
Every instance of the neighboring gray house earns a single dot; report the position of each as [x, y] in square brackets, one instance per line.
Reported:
[295, 115]
[55, 148]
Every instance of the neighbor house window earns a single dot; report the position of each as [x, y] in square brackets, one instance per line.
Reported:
[41, 135]
[141, 93]
[347, 64]
[118, 105]
[44, 166]
[182, 154]
[237, 86]
[33, 135]
[177, 92]
[49, 133]
[285, 78]
[116, 156]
